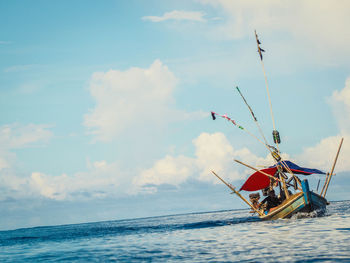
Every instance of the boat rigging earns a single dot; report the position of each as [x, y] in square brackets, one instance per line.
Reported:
[281, 175]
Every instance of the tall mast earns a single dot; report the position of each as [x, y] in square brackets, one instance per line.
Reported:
[275, 133]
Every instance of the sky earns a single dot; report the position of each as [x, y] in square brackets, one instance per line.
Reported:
[105, 105]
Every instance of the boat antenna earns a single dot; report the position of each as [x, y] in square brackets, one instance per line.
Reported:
[275, 133]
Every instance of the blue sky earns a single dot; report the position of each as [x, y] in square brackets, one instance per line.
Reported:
[104, 105]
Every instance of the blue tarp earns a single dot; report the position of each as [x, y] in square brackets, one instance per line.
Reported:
[299, 170]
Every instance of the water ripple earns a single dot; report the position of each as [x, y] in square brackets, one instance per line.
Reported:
[226, 236]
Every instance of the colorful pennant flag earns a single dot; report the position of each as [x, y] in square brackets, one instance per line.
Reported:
[225, 117]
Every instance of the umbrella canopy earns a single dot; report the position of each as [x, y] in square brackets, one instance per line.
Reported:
[258, 180]
[299, 170]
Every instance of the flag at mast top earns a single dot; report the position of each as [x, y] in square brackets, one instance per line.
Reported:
[258, 44]
[275, 133]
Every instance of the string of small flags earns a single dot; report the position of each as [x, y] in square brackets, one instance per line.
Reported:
[227, 118]
[214, 114]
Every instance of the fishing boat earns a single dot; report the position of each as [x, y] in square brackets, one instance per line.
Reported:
[295, 196]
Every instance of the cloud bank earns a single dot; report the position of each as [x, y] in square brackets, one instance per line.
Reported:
[212, 151]
[215, 152]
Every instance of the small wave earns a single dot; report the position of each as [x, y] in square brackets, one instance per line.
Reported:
[215, 223]
[316, 213]
[113, 228]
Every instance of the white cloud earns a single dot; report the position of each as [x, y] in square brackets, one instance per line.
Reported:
[325, 19]
[125, 98]
[17, 136]
[43, 185]
[340, 103]
[3, 163]
[133, 98]
[322, 155]
[13, 186]
[169, 170]
[6, 159]
[100, 164]
[100, 180]
[177, 15]
[316, 25]
[215, 152]
[14, 136]
[212, 152]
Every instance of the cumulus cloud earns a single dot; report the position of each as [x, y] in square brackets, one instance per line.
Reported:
[323, 18]
[340, 103]
[125, 99]
[212, 152]
[3, 163]
[14, 136]
[100, 180]
[169, 170]
[215, 152]
[323, 154]
[7, 159]
[319, 25]
[177, 15]
[17, 136]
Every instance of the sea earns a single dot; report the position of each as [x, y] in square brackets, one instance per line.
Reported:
[220, 236]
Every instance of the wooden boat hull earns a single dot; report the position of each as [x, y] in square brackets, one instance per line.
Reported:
[306, 201]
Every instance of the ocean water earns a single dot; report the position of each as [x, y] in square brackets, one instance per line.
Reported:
[224, 236]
